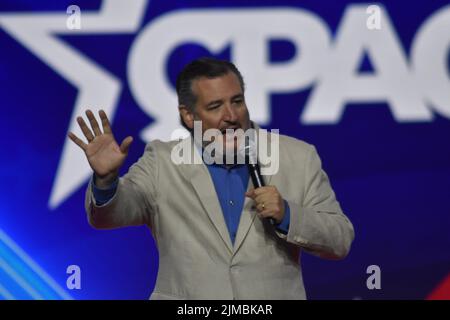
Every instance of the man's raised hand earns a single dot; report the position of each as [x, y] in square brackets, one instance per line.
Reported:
[103, 153]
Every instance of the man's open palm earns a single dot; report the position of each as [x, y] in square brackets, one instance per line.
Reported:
[103, 153]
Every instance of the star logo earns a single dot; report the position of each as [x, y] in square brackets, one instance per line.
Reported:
[96, 86]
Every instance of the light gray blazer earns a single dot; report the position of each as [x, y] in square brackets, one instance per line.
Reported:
[197, 259]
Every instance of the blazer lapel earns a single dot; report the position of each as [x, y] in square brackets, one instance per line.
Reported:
[200, 178]
[248, 214]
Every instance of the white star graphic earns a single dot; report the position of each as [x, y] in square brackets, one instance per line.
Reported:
[96, 86]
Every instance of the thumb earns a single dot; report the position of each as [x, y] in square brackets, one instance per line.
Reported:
[126, 144]
[250, 193]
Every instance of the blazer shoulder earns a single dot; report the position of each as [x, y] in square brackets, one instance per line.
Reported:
[160, 147]
[295, 146]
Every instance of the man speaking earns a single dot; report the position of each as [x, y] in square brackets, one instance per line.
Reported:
[220, 234]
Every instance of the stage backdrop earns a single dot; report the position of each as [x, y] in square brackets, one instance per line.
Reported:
[367, 83]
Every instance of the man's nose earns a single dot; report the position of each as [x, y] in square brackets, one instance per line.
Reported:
[230, 113]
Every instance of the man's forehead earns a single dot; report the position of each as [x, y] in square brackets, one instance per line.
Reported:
[228, 84]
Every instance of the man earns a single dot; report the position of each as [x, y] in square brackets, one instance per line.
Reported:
[209, 223]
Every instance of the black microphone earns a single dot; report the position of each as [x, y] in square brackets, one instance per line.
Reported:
[253, 168]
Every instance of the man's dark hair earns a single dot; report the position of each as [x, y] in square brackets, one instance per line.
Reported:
[199, 68]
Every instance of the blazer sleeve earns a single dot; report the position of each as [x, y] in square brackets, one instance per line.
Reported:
[318, 225]
[134, 201]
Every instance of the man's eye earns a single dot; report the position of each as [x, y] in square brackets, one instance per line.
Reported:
[239, 101]
[214, 106]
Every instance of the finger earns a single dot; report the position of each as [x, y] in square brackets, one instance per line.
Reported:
[105, 122]
[77, 141]
[125, 145]
[85, 129]
[261, 206]
[250, 193]
[267, 214]
[261, 190]
[267, 205]
[268, 208]
[264, 214]
[263, 198]
[93, 122]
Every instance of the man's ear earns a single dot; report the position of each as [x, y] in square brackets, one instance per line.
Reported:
[187, 116]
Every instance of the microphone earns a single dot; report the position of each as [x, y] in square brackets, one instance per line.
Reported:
[251, 159]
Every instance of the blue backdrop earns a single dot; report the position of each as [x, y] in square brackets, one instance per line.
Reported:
[388, 158]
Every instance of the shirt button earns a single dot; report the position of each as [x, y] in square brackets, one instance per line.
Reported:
[231, 203]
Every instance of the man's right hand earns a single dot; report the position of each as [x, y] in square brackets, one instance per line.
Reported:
[103, 153]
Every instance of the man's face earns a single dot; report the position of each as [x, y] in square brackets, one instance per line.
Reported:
[221, 105]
